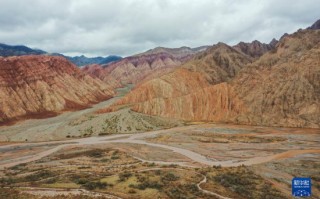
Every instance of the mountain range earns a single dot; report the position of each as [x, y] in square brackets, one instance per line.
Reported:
[143, 66]
[274, 84]
[278, 86]
[8, 50]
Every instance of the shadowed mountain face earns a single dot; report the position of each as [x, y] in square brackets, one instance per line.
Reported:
[315, 26]
[281, 88]
[219, 63]
[40, 85]
[255, 49]
[83, 60]
[7, 50]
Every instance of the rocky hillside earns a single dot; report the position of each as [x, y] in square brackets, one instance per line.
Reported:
[219, 63]
[99, 71]
[181, 53]
[255, 49]
[144, 66]
[37, 86]
[134, 69]
[281, 88]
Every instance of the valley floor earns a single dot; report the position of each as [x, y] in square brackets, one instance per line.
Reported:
[271, 155]
[85, 123]
[125, 154]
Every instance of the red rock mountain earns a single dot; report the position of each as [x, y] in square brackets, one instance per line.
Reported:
[180, 53]
[141, 67]
[281, 88]
[35, 86]
[100, 72]
[217, 64]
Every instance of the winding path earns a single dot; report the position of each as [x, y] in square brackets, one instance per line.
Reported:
[138, 139]
[76, 191]
[209, 192]
[198, 185]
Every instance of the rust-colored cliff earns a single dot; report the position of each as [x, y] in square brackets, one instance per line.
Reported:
[40, 85]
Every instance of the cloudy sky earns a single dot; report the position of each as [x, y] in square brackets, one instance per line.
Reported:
[126, 27]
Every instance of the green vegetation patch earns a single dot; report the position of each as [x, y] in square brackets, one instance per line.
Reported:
[244, 182]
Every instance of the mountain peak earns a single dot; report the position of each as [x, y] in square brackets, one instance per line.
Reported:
[255, 49]
[8, 50]
[315, 26]
[273, 42]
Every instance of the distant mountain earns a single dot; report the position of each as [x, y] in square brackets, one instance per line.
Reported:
[255, 49]
[8, 50]
[143, 66]
[83, 60]
[179, 53]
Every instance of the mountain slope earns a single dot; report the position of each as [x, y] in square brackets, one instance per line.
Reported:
[315, 26]
[83, 60]
[281, 88]
[145, 66]
[255, 49]
[217, 64]
[7, 50]
[134, 69]
[181, 53]
[40, 85]
[98, 71]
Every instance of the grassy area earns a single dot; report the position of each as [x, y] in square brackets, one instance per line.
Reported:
[121, 121]
[305, 166]
[207, 137]
[110, 180]
[62, 185]
[123, 91]
[127, 121]
[17, 194]
[109, 170]
[165, 183]
[240, 182]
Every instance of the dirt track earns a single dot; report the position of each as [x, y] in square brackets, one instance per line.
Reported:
[139, 139]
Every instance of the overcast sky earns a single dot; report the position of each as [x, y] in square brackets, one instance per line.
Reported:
[126, 27]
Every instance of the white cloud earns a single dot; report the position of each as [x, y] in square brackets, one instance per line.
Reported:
[125, 27]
